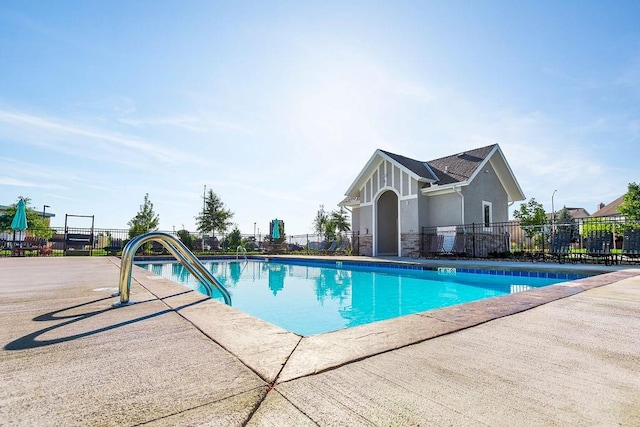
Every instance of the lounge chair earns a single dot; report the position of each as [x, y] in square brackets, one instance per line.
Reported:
[316, 246]
[331, 248]
[337, 247]
[342, 248]
[599, 246]
[560, 246]
[631, 245]
[445, 245]
[428, 246]
[457, 248]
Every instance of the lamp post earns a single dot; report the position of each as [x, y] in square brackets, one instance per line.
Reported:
[553, 213]
[44, 209]
[204, 209]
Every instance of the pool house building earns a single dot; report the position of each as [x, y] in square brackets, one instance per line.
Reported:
[394, 197]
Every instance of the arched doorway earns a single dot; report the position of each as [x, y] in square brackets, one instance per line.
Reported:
[387, 224]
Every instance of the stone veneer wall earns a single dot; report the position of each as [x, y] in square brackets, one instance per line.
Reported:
[365, 247]
[486, 243]
[410, 243]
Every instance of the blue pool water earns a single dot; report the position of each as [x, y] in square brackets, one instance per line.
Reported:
[310, 298]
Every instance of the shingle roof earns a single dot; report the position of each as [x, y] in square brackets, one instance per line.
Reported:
[576, 213]
[446, 170]
[611, 209]
[416, 166]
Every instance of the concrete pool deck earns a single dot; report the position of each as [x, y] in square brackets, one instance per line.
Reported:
[564, 354]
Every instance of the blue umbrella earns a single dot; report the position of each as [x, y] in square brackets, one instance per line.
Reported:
[19, 222]
[276, 230]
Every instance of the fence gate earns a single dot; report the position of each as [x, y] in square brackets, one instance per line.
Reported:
[77, 241]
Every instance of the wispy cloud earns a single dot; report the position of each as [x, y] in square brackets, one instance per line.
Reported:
[86, 141]
[187, 123]
[199, 123]
[14, 182]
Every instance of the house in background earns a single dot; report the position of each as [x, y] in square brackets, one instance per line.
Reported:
[8, 235]
[45, 215]
[610, 210]
[576, 213]
[394, 196]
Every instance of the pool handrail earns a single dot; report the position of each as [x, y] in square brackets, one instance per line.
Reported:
[239, 249]
[175, 248]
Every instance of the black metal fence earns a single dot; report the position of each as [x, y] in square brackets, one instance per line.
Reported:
[98, 241]
[588, 239]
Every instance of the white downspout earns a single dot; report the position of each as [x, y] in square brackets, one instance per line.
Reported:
[461, 203]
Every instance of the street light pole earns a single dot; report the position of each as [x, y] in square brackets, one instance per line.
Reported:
[44, 209]
[204, 208]
[553, 213]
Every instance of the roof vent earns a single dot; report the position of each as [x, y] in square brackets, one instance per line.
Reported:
[446, 169]
[461, 154]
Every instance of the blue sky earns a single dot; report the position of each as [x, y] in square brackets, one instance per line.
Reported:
[276, 106]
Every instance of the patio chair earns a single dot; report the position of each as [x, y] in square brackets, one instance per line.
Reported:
[458, 247]
[599, 246]
[428, 246]
[433, 244]
[560, 246]
[318, 247]
[331, 248]
[342, 248]
[631, 245]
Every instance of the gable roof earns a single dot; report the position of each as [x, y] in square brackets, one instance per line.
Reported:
[421, 169]
[460, 167]
[611, 209]
[576, 213]
[446, 171]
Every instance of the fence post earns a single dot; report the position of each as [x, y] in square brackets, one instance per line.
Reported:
[473, 240]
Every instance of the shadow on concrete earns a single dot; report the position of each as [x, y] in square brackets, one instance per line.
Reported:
[30, 341]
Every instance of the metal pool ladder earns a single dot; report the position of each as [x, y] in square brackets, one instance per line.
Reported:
[243, 250]
[175, 248]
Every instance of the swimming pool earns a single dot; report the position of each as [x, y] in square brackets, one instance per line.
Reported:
[312, 297]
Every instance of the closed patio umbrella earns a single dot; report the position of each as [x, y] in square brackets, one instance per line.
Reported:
[19, 222]
[275, 234]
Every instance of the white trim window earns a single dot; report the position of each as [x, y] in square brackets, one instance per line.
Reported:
[487, 214]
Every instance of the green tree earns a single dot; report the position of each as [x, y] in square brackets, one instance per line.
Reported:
[320, 221]
[145, 220]
[566, 222]
[340, 219]
[214, 217]
[186, 238]
[330, 230]
[630, 207]
[591, 225]
[532, 217]
[36, 224]
[235, 239]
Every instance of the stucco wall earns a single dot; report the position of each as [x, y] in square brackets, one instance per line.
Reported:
[409, 216]
[485, 187]
[355, 219]
[444, 210]
[365, 220]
